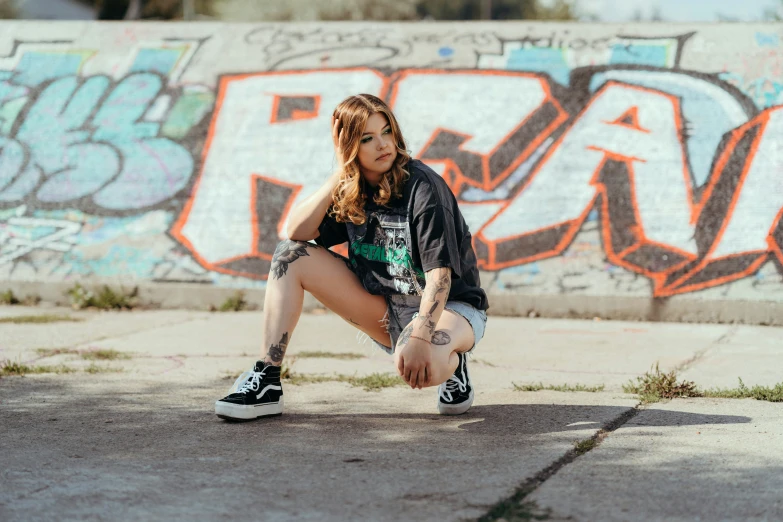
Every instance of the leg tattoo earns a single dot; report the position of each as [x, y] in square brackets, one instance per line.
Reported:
[277, 351]
[440, 338]
[286, 253]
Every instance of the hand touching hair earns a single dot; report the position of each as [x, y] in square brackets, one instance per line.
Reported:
[349, 122]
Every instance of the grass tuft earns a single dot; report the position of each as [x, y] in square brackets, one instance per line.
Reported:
[51, 352]
[559, 388]
[514, 509]
[583, 446]
[40, 319]
[20, 369]
[372, 382]
[234, 303]
[8, 298]
[104, 355]
[329, 355]
[94, 368]
[761, 393]
[656, 386]
[103, 299]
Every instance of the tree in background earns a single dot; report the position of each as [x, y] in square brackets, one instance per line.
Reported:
[497, 9]
[772, 14]
[7, 9]
[146, 9]
[309, 10]
[333, 10]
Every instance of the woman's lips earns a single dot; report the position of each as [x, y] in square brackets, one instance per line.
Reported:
[385, 156]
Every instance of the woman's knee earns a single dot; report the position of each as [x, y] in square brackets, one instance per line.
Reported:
[287, 252]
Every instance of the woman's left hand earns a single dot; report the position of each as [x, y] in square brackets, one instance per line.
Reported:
[414, 363]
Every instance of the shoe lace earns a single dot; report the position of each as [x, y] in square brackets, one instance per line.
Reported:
[452, 386]
[253, 383]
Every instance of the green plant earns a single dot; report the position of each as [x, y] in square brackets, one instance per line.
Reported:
[329, 355]
[40, 319]
[583, 446]
[20, 369]
[655, 386]
[558, 387]
[8, 298]
[372, 382]
[234, 303]
[104, 299]
[104, 355]
[94, 368]
[761, 393]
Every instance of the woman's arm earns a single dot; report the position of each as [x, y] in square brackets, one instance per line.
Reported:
[415, 342]
[433, 302]
[307, 216]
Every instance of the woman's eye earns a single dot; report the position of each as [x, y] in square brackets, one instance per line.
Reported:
[367, 139]
[387, 131]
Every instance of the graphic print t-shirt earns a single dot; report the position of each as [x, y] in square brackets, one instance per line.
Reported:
[398, 243]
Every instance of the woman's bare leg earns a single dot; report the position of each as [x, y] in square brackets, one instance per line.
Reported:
[298, 266]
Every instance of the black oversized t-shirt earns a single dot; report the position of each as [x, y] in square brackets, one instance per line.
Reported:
[399, 242]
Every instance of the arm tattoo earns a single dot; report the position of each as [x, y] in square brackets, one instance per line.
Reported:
[440, 338]
[405, 336]
[277, 351]
[441, 285]
[286, 253]
[435, 297]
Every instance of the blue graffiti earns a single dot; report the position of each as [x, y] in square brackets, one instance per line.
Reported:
[86, 137]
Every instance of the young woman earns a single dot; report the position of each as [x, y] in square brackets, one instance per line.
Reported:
[410, 281]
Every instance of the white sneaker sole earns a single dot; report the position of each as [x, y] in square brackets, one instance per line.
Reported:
[228, 411]
[455, 409]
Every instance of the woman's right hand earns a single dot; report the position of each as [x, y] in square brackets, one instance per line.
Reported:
[337, 138]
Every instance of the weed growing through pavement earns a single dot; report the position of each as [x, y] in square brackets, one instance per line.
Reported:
[94, 368]
[8, 298]
[513, 509]
[234, 303]
[104, 299]
[329, 355]
[583, 446]
[372, 382]
[559, 388]
[20, 369]
[40, 319]
[104, 355]
[51, 352]
[656, 386]
[761, 393]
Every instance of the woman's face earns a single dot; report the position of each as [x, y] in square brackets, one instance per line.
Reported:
[377, 150]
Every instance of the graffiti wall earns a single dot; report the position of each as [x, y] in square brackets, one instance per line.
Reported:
[603, 160]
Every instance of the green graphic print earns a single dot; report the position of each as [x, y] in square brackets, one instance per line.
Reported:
[390, 246]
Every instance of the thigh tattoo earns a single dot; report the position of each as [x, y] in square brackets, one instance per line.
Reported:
[286, 253]
[440, 338]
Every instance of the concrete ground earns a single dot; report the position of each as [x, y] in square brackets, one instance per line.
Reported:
[136, 438]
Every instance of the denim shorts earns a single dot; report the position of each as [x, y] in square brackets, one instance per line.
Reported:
[402, 309]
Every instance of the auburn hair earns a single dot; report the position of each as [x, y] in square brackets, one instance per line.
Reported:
[349, 195]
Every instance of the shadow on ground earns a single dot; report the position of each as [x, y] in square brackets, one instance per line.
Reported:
[105, 447]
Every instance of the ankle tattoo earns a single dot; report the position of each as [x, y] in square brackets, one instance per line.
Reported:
[277, 351]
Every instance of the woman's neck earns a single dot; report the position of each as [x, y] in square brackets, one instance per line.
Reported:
[373, 180]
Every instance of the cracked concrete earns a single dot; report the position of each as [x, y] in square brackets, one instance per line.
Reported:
[144, 443]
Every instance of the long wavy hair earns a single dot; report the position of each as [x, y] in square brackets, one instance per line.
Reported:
[349, 195]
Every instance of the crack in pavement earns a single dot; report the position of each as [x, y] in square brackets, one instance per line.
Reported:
[699, 355]
[533, 483]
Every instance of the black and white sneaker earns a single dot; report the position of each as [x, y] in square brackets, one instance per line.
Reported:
[456, 394]
[258, 393]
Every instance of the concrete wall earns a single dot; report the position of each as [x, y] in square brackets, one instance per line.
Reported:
[624, 171]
